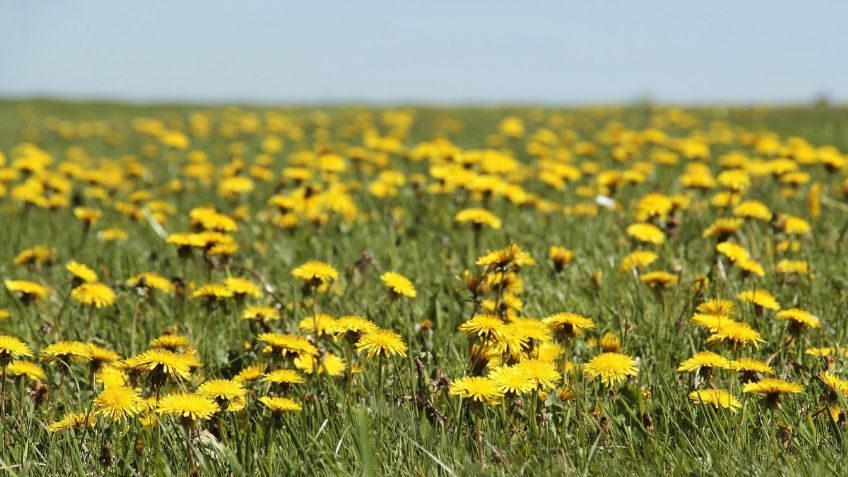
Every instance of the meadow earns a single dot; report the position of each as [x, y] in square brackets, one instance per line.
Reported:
[211, 290]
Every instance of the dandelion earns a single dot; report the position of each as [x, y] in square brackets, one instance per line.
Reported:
[28, 369]
[118, 404]
[66, 352]
[611, 368]
[170, 342]
[261, 314]
[277, 404]
[315, 273]
[287, 344]
[320, 324]
[353, 326]
[568, 324]
[12, 348]
[187, 406]
[646, 233]
[772, 389]
[659, 279]
[227, 394]
[834, 384]
[798, 317]
[478, 217]
[704, 360]
[543, 373]
[250, 373]
[723, 228]
[73, 421]
[477, 389]
[81, 272]
[485, 327]
[241, 287]
[717, 398]
[560, 256]
[95, 294]
[750, 367]
[511, 257]
[736, 333]
[28, 291]
[283, 377]
[160, 365]
[329, 363]
[213, 292]
[381, 343]
[638, 260]
[398, 284]
[760, 298]
[512, 380]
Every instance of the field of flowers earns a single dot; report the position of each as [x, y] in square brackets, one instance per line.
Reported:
[277, 291]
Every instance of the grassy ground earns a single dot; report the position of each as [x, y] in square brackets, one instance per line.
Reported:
[397, 417]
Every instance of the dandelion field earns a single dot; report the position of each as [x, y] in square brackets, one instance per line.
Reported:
[277, 291]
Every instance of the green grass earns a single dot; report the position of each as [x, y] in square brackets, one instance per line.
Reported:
[361, 429]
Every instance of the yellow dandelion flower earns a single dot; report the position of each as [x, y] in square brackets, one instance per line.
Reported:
[646, 233]
[753, 209]
[315, 272]
[213, 291]
[477, 389]
[760, 298]
[288, 344]
[723, 227]
[329, 363]
[737, 333]
[280, 404]
[638, 259]
[95, 294]
[717, 307]
[560, 256]
[568, 324]
[381, 343]
[751, 366]
[170, 342]
[399, 284]
[250, 373]
[799, 316]
[834, 383]
[12, 348]
[320, 324]
[483, 326]
[26, 289]
[82, 272]
[260, 313]
[73, 421]
[512, 380]
[772, 387]
[352, 325]
[150, 280]
[510, 257]
[611, 368]
[283, 376]
[478, 217]
[160, 364]
[717, 398]
[543, 372]
[188, 406]
[28, 369]
[659, 279]
[67, 352]
[118, 404]
[704, 359]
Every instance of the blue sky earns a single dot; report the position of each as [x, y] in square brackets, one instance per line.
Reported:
[556, 52]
